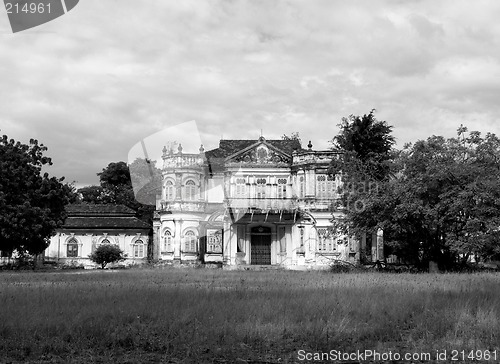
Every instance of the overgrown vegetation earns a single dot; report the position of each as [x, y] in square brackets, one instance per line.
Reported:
[199, 316]
[435, 200]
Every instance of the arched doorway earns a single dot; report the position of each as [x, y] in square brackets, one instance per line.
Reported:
[260, 250]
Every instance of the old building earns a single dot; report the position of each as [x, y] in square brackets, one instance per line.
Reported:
[254, 202]
[88, 226]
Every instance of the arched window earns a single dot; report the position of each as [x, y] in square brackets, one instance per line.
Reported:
[72, 248]
[139, 249]
[169, 191]
[190, 191]
[190, 242]
[167, 245]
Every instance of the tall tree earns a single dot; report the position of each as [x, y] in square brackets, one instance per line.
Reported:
[365, 160]
[31, 203]
[443, 204]
[366, 146]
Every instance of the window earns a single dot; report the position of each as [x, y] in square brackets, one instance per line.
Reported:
[72, 248]
[214, 242]
[281, 188]
[260, 189]
[139, 249]
[301, 187]
[190, 242]
[325, 242]
[169, 191]
[240, 188]
[330, 186]
[167, 245]
[321, 187]
[190, 191]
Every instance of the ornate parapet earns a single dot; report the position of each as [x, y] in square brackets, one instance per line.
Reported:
[163, 205]
[182, 160]
[312, 156]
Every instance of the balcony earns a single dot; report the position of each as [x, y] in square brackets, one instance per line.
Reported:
[262, 203]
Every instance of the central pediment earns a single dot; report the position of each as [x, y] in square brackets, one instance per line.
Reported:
[261, 152]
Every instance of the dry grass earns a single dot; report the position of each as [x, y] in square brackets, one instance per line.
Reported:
[196, 315]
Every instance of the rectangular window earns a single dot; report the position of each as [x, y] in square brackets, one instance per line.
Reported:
[325, 241]
[241, 190]
[214, 241]
[260, 188]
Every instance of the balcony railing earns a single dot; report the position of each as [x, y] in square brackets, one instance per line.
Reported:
[262, 203]
[182, 160]
[194, 206]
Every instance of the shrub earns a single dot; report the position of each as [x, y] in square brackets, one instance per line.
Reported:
[107, 253]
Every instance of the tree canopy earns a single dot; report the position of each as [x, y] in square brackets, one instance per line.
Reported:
[366, 147]
[31, 203]
[442, 203]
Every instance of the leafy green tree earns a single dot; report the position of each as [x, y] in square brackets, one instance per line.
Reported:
[106, 253]
[31, 203]
[366, 159]
[366, 145]
[443, 203]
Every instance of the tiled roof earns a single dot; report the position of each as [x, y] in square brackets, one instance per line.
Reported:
[228, 147]
[102, 216]
[104, 223]
[99, 210]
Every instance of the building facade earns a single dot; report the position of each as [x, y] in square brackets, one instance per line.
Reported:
[254, 202]
[88, 226]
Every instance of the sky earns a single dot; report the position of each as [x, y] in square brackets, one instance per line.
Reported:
[97, 81]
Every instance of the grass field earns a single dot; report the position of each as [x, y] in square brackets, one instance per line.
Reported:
[215, 316]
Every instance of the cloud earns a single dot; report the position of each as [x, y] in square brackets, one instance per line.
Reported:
[93, 83]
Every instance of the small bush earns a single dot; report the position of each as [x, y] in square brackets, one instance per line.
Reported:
[107, 253]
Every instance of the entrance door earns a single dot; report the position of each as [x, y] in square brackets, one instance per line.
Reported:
[260, 251]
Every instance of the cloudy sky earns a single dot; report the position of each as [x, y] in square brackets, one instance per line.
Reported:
[110, 73]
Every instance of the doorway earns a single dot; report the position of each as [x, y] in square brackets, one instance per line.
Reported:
[260, 250]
